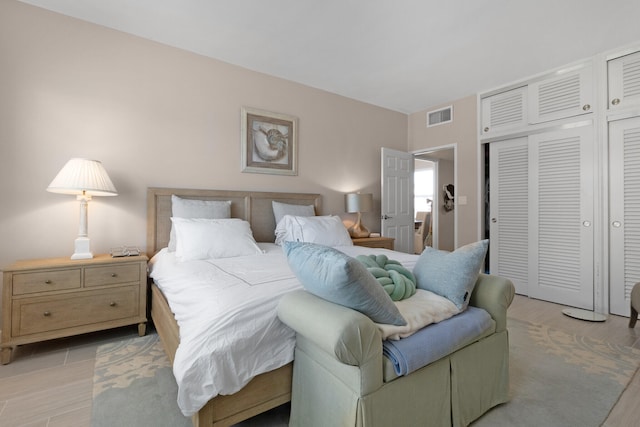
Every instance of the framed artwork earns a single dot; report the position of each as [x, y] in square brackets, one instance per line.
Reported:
[269, 142]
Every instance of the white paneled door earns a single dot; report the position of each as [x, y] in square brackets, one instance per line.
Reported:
[397, 198]
[624, 212]
[541, 213]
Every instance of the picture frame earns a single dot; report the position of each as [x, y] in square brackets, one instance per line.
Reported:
[269, 142]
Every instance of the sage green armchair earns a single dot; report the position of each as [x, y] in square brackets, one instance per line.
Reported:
[340, 377]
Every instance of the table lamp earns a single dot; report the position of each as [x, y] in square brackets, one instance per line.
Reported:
[357, 202]
[83, 178]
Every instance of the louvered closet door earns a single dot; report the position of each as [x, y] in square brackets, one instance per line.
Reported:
[508, 205]
[624, 81]
[504, 111]
[624, 212]
[561, 185]
[565, 95]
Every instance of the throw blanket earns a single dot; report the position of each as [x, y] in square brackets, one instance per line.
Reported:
[422, 309]
[397, 281]
[438, 340]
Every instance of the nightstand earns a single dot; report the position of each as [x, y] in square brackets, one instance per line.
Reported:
[58, 297]
[374, 242]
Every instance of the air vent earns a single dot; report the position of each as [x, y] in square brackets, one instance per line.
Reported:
[440, 117]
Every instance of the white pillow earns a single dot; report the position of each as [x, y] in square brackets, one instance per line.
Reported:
[322, 230]
[191, 208]
[281, 209]
[200, 238]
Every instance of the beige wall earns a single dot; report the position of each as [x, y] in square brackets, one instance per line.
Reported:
[155, 116]
[463, 133]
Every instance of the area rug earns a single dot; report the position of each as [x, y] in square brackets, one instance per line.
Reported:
[560, 379]
[133, 386]
[557, 379]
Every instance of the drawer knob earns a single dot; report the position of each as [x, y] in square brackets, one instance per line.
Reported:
[48, 282]
[112, 304]
[114, 275]
[47, 313]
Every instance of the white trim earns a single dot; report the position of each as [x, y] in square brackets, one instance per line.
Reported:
[601, 285]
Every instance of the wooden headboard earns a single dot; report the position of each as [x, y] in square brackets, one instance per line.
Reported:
[252, 206]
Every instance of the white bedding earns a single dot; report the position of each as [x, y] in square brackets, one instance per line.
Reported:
[226, 311]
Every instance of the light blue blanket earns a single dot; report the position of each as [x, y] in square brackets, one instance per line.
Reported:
[437, 340]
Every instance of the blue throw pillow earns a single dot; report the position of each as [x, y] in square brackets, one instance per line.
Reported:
[336, 277]
[452, 275]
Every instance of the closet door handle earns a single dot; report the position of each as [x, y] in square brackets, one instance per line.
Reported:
[615, 101]
[586, 107]
[616, 224]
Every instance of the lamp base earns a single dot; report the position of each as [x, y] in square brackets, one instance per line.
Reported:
[359, 235]
[358, 230]
[83, 250]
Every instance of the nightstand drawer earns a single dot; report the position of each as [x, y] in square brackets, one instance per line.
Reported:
[43, 281]
[33, 315]
[111, 274]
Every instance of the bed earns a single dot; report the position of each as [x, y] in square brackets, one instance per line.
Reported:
[267, 390]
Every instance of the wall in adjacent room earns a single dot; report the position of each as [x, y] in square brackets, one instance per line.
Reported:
[155, 116]
[463, 133]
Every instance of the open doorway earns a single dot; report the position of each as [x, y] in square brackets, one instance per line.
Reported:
[424, 173]
[434, 192]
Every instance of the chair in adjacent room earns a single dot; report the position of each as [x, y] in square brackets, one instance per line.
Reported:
[419, 235]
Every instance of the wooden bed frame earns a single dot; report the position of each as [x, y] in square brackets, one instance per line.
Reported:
[265, 391]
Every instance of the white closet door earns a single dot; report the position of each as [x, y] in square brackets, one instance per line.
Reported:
[509, 205]
[561, 185]
[624, 212]
[564, 95]
[624, 81]
[504, 111]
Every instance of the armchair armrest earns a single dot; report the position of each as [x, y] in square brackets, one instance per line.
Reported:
[494, 294]
[348, 335]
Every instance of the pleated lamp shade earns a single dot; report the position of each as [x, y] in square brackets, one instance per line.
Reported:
[82, 176]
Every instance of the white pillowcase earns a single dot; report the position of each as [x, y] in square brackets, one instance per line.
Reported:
[200, 238]
[281, 209]
[323, 230]
[191, 208]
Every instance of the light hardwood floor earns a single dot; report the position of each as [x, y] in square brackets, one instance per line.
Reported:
[50, 384]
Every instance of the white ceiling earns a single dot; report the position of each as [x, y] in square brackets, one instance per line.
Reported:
[405, 55]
